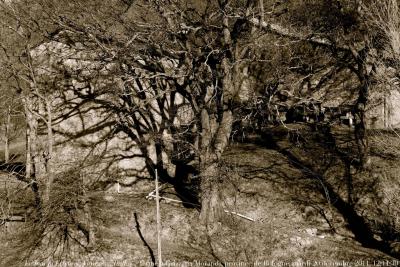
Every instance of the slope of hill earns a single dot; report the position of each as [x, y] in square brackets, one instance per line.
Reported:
[282, 223]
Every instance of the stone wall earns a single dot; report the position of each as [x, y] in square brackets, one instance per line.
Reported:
[84, 133]
[384, 111]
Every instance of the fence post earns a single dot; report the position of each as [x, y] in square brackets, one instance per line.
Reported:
[158, 223]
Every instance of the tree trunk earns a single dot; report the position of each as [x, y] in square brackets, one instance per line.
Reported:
[349, 181]
[31, 150]
[7, 136]
[91, 237]
[211, 200]
[364, 73]
[216, 130]
[360, 131]
[38, 149]
[48, 156]
[261, 13]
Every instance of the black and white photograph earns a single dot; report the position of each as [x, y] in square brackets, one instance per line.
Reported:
[199, 133]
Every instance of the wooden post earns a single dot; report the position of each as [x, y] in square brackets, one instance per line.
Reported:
[158, 223]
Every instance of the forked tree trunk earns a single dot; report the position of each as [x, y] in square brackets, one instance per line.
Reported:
[211, 198]
[216, 130]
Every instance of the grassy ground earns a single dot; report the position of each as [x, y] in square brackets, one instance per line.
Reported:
[17, 149]
[289, 227]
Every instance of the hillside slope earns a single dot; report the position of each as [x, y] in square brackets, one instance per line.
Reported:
[287, 226]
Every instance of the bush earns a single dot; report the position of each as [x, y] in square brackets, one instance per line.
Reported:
[62, 229]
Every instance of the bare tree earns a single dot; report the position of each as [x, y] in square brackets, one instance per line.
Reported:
[169, 74]
[184, 59]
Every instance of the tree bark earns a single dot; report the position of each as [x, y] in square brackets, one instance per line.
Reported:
[39, 148]
[360, 131]
[7, 136]
[211, 201]
[216, 130]
[360, 107]
[48, 156]
[31, 149]
[91, 237]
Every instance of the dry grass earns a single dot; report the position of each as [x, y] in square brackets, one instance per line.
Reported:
[384, 16]
[257, 182]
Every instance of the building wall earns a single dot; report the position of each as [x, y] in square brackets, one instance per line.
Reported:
[99, 152]
[394, 115]
[384, 111]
